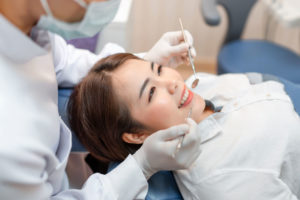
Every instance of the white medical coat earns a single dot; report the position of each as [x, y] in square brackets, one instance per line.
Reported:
[251, 149]
[34, 141]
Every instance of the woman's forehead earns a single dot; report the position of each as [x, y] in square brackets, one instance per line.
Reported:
[134, 63]
[132, 68]
[128, 78]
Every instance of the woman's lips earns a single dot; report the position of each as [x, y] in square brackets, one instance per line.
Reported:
[188, 99]
[182, 94]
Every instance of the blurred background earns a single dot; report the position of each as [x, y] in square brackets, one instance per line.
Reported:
[140, 23]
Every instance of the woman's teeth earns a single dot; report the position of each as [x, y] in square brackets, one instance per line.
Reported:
[184, 98]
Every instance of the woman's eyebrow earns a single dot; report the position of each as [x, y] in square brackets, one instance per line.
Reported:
[144, 86]
[145, 82]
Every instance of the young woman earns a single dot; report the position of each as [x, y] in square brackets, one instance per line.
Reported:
[250, 132]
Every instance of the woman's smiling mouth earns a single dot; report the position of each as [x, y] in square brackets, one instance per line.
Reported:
[186, 97]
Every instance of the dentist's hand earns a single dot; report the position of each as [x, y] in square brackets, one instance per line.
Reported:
[157, 151]
[171, 50]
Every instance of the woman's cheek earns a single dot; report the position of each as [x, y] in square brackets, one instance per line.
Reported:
[160, 111]
[164, 115]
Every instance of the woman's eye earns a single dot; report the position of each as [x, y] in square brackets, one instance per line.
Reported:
[159, 69]
[151, 94]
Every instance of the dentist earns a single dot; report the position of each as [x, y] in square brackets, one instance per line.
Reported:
[34, 141]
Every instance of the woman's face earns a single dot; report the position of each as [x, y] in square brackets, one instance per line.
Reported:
[156, 96]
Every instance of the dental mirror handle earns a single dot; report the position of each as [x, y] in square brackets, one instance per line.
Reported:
[196, 81]
[179, 144]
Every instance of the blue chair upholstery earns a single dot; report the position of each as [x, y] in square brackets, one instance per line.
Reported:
[242, 56]
[162, 186]
[63, 98]
[238, 56]
[293, 90]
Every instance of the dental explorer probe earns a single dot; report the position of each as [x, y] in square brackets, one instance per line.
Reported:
[179, 144]
[196, 81]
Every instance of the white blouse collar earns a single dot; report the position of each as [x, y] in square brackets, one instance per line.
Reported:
[209, 128]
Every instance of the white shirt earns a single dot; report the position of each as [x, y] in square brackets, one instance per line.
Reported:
[35, 143]
[251, 149]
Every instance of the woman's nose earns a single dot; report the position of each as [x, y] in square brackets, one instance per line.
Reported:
[171, 86]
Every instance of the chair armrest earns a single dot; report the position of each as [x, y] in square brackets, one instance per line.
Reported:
[210, 12]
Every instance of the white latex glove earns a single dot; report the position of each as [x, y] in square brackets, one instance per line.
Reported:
[158, 149]
[171, 50]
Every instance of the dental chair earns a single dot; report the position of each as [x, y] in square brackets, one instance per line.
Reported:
[240, 56]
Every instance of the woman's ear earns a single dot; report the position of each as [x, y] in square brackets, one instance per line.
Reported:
[134, 138]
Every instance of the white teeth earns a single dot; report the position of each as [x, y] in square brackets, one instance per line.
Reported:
[184, 98]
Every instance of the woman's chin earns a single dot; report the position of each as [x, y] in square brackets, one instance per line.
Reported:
[197, 108]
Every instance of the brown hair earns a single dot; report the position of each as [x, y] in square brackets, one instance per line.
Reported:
[98, 117]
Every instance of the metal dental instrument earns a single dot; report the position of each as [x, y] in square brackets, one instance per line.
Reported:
[196, 81]
[179, 144]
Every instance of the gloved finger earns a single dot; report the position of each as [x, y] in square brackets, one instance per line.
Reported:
[173, 132]
[185, 55]
[179, 49]
[185, 59]
[191, 122]
[182, 59]
[192, 137]
[189, 38]
[174, 37]
[193, 52]
[190, 42]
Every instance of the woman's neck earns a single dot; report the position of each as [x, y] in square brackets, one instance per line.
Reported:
[24, 14]
[207, 112]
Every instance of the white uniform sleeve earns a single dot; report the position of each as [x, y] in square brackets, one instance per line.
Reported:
[71, 64]
[244, 185]
[20, 179]
[125, 182]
